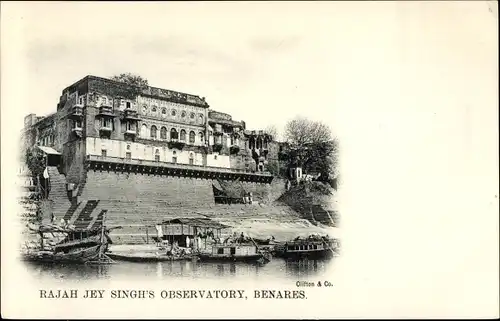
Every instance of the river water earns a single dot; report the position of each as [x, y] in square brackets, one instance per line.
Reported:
[275, 269]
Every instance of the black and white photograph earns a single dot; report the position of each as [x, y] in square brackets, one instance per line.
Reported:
[248, 159]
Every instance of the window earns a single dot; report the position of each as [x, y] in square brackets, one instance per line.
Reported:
[174, 112]
[128, 147]
[192, 137]
[183, 135]
[144, 131]
[220, 250]
[77, 124]
[202, 136]
[128, 155]
[233, 251]
[163, 133]
[215, 157]
[174, 159]
[164, 112]
[153, 109]
[104, 152]
[200, 116]
[191, 116]
[106, 123]
[157, 155]
[130, 126]
[173, 134]
[80, 100]
[191, 159]
[153, 132]
[127, 104]
[144, 109]
[183, 114]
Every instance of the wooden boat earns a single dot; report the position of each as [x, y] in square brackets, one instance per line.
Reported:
[147, 257]
[305, 249]
[72, 245]
[235, 253]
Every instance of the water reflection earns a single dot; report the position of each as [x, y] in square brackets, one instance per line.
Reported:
[277, 268]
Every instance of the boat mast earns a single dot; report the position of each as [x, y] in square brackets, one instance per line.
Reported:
[102, 234]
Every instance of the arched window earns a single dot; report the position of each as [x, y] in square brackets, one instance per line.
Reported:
[183, 114]
[163, 133]
[174, 112]
[192, 137]
[153, 109]
[164, 112]
[157, 155]
[191, 115]
[202, 137]
[144, 109]
[200, 116]
[191, 159]
[153, 132]
[144, 131]
[183, 134]
[173, 134]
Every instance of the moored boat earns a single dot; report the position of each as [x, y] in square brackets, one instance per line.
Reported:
[235, 253]
[311, 248]
[66, 244]
[147, 257]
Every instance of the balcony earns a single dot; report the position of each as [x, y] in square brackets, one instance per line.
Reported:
[106, 111]
[130, 114]
[176, 143]
[95, 162]
[77, 131]
[107, 128]
[76, 111]
[131, 132]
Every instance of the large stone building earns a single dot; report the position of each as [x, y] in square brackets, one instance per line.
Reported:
[137, 151]
[101, 119]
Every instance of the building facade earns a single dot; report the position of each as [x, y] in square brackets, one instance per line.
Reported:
[98, 119]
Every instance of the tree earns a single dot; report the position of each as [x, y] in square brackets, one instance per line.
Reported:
[131, 79]
[35, 161]
[311, 147]
[273, 131]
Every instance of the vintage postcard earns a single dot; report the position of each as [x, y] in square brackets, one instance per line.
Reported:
[239, 160]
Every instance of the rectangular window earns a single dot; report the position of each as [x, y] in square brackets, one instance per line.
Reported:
[128, 104]
[174, 159]
[191, 161]
[220, 251]
[233, 251]
[106, 123]
[80, 100]
[128, 155]
[77, 124]
[157, 158]
[104, 152]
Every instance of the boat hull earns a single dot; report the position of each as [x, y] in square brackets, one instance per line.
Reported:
[233, 258]
[300, 255]
[77, 256]
[146, 258]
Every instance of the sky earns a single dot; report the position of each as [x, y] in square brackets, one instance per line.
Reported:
[264, 63]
